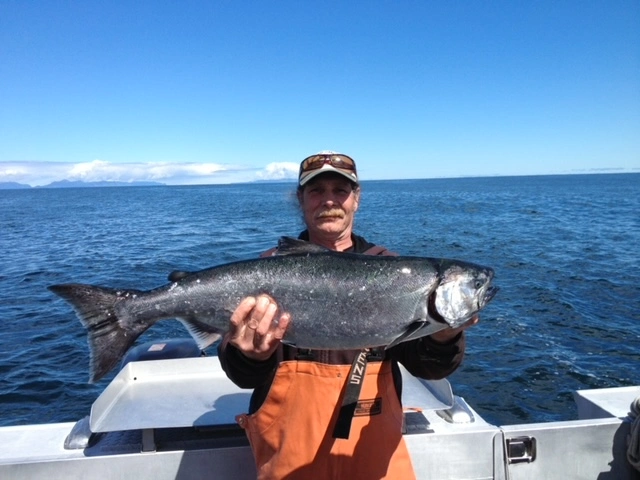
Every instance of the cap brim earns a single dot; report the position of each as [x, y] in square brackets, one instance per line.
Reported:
[327, 168]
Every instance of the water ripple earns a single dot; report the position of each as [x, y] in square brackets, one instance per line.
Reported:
[564, 250]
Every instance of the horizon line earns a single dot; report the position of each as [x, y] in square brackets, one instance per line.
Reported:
[60, 184]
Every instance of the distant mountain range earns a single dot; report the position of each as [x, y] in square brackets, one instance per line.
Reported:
[78, 184]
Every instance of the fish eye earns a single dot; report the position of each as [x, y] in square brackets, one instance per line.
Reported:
[478, 284]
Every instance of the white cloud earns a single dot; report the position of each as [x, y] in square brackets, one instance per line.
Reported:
[31, 173]
[12, 172]
[279, 171]
[43, 173]
[99, 170]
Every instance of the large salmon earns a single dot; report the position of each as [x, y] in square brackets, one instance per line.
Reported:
[336, 300]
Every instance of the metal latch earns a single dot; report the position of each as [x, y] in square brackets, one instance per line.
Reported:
[521, 449]
[148, 440]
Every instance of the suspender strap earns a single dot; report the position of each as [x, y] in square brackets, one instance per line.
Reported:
[351, 395]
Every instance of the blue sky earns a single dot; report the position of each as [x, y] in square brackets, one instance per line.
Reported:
[188, 92]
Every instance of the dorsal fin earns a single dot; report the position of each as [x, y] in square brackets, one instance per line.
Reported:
[293, 246]
[178, 275]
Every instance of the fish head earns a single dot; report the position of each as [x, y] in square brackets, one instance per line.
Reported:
[463, 291]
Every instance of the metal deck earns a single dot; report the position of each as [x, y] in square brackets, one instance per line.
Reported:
[175, 419]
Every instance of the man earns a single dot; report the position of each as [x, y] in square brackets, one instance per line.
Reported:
[296, 425]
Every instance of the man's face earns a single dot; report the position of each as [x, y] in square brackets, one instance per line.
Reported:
[328, 204]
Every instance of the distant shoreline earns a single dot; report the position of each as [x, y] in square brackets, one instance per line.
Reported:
[81, 184]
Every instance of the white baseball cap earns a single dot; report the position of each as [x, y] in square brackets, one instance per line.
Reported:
[327, 161]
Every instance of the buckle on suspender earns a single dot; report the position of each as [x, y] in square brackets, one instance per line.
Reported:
[305, 354]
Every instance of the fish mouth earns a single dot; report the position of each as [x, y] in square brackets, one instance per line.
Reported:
[489, 294]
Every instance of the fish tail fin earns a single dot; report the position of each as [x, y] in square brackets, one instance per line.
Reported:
[109, 333]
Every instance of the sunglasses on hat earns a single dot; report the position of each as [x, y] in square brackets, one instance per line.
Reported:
[336, 160]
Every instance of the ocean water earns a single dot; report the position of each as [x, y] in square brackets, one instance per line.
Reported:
[566, 250]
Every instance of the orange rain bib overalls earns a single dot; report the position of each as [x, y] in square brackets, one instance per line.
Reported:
[291, 434]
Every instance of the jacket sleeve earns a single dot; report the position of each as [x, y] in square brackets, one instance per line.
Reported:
[243, 371]
[425, 358]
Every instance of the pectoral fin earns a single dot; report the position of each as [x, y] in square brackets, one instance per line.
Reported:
[408, 333]
[202, 333]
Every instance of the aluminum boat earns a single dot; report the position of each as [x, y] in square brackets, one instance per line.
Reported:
[175, 419]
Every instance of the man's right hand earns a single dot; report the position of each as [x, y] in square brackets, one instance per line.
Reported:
[252, 329]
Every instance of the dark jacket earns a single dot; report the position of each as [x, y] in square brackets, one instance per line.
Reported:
[422, 357]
